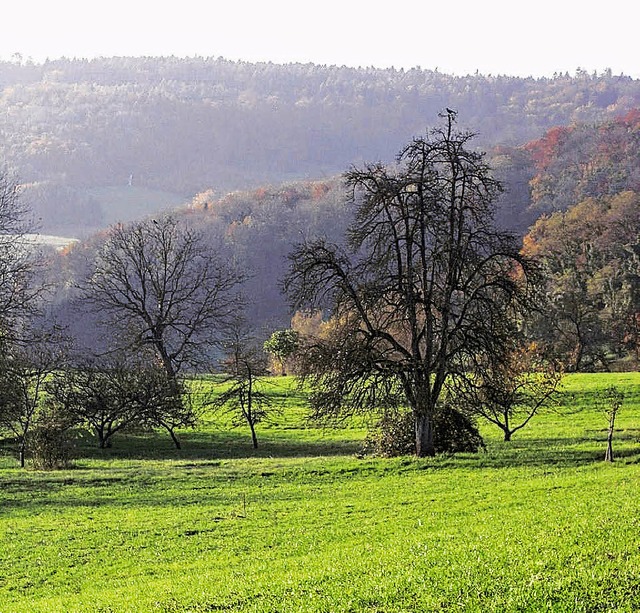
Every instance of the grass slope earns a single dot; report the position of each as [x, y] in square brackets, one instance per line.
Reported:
[303, 524]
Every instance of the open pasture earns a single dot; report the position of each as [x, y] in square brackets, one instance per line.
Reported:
[305, 524]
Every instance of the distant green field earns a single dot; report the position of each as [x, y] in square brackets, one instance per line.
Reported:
[305, 525]
[126, 203]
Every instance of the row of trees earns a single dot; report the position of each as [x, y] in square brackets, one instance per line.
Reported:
[44, 395]
[167, 305]
[159, 294]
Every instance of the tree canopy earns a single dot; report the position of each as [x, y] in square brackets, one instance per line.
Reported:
[590, 256]
[426, 286]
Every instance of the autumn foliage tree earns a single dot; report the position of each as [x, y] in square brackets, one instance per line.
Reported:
[282, 344]
[585, 161]
[590, 255]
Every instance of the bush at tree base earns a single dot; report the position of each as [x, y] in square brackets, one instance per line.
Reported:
[50, 449]
[394, 434]
[50, 442]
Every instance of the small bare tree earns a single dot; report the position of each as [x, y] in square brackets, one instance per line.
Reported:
[610, 402]
[245, 366]
[114, 392]
[100, 395]
[508, 392]
[164, 403]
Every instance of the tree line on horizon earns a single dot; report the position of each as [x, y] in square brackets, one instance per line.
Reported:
[181, 126]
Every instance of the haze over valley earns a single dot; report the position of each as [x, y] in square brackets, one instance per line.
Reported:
[112, 139]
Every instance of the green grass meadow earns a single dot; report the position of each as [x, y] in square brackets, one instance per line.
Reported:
[304, 524]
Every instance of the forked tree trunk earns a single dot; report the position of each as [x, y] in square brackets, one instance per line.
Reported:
[424, 435]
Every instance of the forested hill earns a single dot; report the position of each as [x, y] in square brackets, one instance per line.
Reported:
[257, 228]
[565, 167]
[115, 138]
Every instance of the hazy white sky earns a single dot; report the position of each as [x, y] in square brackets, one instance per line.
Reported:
[492, 36]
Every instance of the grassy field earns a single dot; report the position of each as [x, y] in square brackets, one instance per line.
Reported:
[126, 203]
[304, 524]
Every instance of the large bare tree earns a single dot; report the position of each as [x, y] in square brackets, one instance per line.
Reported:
[163, 287]
[426, 285]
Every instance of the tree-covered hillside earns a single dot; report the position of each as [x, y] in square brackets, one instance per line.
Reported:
[258, 227]
[87, 135]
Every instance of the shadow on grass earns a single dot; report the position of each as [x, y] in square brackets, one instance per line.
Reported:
[198, 446]
[205, 449]
[558, 452]
[211, 448]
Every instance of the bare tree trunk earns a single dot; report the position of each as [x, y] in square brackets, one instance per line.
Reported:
[578, 353]
[506, 427]
[167, 364]
[174, 438]
[22, 454]
[424, 435]
[254, 438]
[608, 457]
[102, 438]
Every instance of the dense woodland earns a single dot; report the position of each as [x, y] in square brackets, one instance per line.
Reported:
[86, 136]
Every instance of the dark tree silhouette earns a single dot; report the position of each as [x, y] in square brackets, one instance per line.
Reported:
[163, 288]
[428, 285]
